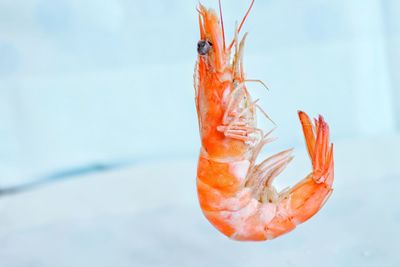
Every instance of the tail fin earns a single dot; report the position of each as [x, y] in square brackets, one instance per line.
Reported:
[318, 146]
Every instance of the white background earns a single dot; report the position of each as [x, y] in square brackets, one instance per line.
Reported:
[103, 83]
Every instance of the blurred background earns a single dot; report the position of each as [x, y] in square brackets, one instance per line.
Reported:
[103, 83]
[92, 86]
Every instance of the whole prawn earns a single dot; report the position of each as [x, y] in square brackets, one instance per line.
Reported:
[236, 195]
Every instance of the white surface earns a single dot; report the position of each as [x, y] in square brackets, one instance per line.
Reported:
[148, 215]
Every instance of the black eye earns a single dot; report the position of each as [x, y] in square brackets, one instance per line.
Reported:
[203, 47]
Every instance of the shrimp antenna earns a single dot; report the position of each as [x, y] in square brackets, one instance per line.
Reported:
[222, 21]
[241, 23]
[200, 21]
[245, 16]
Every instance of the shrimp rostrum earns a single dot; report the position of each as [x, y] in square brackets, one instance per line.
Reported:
[235, 189]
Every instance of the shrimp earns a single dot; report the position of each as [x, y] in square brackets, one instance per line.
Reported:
[236, 194]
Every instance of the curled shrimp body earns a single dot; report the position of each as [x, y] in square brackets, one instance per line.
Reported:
[236, 195]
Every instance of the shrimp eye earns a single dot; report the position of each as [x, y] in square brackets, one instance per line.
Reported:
[203, 47]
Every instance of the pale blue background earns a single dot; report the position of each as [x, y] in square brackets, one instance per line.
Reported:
[105, 83]
[98, 96]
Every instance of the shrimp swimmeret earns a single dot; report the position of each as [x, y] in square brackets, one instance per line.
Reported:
[236, 194]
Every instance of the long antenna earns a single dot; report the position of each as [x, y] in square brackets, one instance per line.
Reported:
[243, 20]
[222, 22]
[245, 16]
